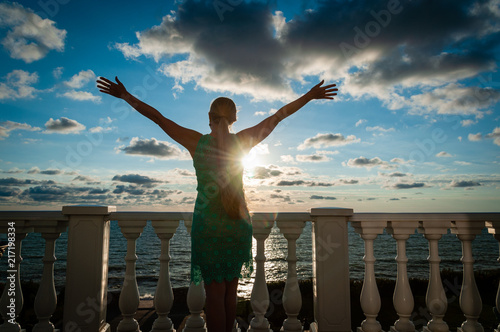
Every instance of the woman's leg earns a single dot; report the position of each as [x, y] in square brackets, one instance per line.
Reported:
[214, 306]
[230, 303]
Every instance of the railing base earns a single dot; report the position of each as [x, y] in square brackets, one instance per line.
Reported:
[360, 329]
[393, 329]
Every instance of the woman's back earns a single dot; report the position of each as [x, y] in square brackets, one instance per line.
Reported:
[220, 244]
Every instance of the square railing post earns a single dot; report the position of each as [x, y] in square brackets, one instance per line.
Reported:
[85, 299]
[331, 285]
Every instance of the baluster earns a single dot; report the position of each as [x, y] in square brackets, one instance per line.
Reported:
[435, 299]
[403, 297]
[46, 297]
[292, 299]
[129, 296]
[13, 279]
[260, 295]
[195, 301]
[470, 299]
[164, 296]
[370, 296]
[494, 228]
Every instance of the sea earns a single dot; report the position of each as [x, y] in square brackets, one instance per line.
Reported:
[485, 253]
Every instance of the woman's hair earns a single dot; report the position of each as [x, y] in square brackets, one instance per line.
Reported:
[222, 115]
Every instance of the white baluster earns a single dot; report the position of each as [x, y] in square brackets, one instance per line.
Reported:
[435, 299]
[195, 301]
[129, 296]
[292, 299]
[260, 295]
[494, 228]
[46, 297]
[13, 282]
[164, 296]
[470, 299]
[370, 296]
[403, 297]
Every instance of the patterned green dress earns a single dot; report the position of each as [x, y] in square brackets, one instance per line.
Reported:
[220, 246]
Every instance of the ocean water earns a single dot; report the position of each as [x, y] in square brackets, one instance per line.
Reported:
[485, 252]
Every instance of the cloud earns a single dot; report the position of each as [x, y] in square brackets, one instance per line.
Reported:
[475, 137]
[218, 56]
[314, 158]
[495, 135]
[80, 96]
[79, 80]
[379, 49]
[322, 197]
[63, 126]
[408, 185]
[368, 163]
[154, 148]
[30, 38]
[464, 184]
[137, 179]
[380, 129]
[36, 170]
[360, 122]
[327, 140]
[17, 85]
[455, 99]
[7, 126]
[443, 154]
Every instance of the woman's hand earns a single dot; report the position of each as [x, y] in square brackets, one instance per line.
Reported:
[322, 92]
[111, 88]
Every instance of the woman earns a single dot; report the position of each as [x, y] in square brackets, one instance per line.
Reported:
[221, 235]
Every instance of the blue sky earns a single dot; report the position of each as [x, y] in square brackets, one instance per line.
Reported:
[415, 126]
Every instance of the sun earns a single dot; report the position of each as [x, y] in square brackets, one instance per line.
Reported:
[250, 161]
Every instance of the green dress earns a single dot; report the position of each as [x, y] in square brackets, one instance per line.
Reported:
[220, 246]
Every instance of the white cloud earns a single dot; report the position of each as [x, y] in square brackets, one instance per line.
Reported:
[80, 96]
[380, 129]
[30, 37]
[495, 135]
[79, 80]
[18, 84]
[63, 126]
[7, 126]
[360, 122]
[444, 154]
[475, 137]
[327, 140]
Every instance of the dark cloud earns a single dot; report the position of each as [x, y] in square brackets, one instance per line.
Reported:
[380, 48]
[154, 148]
[408, 185]
[290, 183]
[23, 182]
[266, 172]
[464, 184]
[141, 180]
[322, 197]
[63, 126]
[368, 163]
[314, 158]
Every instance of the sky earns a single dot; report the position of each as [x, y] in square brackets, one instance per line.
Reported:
[415, 126]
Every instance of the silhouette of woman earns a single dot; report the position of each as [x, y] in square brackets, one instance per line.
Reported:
[221, 234]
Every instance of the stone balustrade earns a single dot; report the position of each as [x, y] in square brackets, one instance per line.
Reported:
[86, 276]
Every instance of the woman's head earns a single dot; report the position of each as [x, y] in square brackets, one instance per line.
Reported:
[222, 107]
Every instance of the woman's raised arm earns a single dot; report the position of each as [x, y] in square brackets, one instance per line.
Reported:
[254, 135]
[186, 137]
